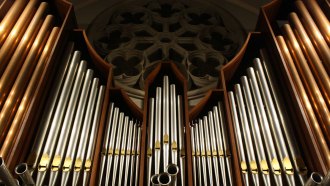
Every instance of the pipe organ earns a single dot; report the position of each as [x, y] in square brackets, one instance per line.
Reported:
[63, 122]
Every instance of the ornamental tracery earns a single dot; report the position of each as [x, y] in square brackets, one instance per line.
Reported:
[136, 35]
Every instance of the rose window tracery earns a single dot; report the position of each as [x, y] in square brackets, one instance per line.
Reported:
[134, 36]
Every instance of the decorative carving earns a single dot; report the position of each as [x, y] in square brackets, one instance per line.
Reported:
[134, 36]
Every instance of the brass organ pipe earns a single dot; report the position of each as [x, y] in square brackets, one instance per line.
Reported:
[128, 152]
[67, 128]
[320, 104]
[10, 18]
[214, 151]
[30, 90]
[298, 162]
[133, 154]
[182, 154]
[91, 145]
[122, 150]
[5, 174]
[23, 172]
[158, 129]
[117, 148]
[256, 131]
[226, 148]
[269, 143]
[138, 146]
[198, 155]
[192, 138]
[44, 126]
[307, 104]
[203, 151]
[251, 157]
[18, 30]
[106, 140]
[318, 40]
[239, 138]
[9, 72]
[25, 72]
[275, 123]
[320, 18]
[206, 141]
[84, 139]
[166, 124]
[174, 125]
[320, 69]
[151, 137]
[51, 141]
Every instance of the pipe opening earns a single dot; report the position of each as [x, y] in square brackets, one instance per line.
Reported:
[164, 178]
[21, 168]
[316, 177]
[172, 169]
[154, 179]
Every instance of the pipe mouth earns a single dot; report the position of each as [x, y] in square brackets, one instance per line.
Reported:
[21, 168]
[154, 179]
[164, 178]
[316, 177]
[172, 169]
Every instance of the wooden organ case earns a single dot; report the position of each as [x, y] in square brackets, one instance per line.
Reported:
[307, 116]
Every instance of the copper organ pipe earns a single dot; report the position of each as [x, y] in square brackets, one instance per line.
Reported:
[319, 71]
[319, 103]
[319, 17]
[17, 32]
[6, 114]
[29, 93]
[316, 36]
[305, 98]
[10, 18]
[9, 71]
